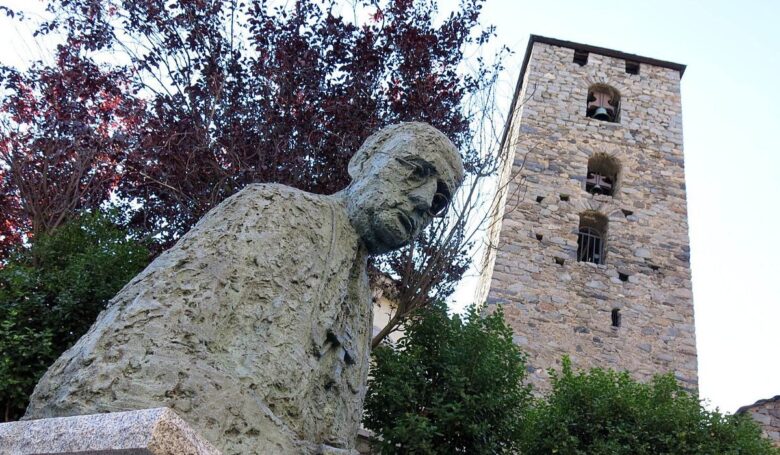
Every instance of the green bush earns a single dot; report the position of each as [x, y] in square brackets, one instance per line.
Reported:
[51, 293]
[604, 412]
[451, 385]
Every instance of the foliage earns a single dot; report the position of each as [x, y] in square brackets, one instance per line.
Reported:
[604, 412]
[51, 293]
[240, 92]
[175, 106]
[428, 269]
[66, 128]
[451, 385]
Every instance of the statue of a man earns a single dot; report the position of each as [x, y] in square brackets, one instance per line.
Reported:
[255, 327]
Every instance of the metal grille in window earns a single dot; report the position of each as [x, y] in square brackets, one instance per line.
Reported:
[590, 246]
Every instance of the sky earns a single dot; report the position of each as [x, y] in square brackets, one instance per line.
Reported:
[731, 120]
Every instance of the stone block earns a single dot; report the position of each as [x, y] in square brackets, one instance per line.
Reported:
[762, 419]
[157, 431]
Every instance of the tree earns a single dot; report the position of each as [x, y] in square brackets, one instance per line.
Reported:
[51, 293]
[66, 129]
[604, 412]
[240, 92]
[244, 92]
[451, 385]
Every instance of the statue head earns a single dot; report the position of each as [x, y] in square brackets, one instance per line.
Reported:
[402, 177]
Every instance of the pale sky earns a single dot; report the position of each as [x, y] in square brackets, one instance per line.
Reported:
[731, 116]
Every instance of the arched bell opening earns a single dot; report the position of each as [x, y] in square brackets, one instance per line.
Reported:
[603, 103]
[603, 175]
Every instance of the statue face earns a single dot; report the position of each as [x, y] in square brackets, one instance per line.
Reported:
[403, 186]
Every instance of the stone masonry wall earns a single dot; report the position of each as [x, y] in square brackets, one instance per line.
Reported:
[555, 304]
[767, 414]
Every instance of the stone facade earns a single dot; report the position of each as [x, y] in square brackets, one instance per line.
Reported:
[635, 310]
[767, 414]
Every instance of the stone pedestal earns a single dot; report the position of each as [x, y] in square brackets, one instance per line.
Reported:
[157, 431]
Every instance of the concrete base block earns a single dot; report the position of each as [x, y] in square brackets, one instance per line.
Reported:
[157, 431]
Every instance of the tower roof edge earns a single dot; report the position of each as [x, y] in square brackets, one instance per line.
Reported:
[600, 51]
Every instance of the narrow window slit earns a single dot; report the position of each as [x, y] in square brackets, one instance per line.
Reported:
[580, 57]
[616, 318]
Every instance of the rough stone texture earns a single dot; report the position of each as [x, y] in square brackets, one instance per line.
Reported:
[255, 326]
[767, 414]
[555, 304]
[156, 431]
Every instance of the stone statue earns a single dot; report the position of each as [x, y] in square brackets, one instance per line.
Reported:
[255, 327]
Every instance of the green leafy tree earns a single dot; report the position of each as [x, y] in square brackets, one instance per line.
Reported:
[450, 385]
[51, 293]
[605, 412]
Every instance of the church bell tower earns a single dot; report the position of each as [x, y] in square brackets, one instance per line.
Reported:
[589, 251]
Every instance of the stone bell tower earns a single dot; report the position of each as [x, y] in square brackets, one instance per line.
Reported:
[589, 252]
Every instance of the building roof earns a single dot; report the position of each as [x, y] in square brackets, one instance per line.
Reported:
[744, 409]
[600, 51]
[582, 47]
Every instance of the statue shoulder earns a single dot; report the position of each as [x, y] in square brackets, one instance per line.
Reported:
[275, 220]
[277, 191]
[275, 205]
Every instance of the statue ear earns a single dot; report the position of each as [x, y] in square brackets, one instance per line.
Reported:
[369, 147]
